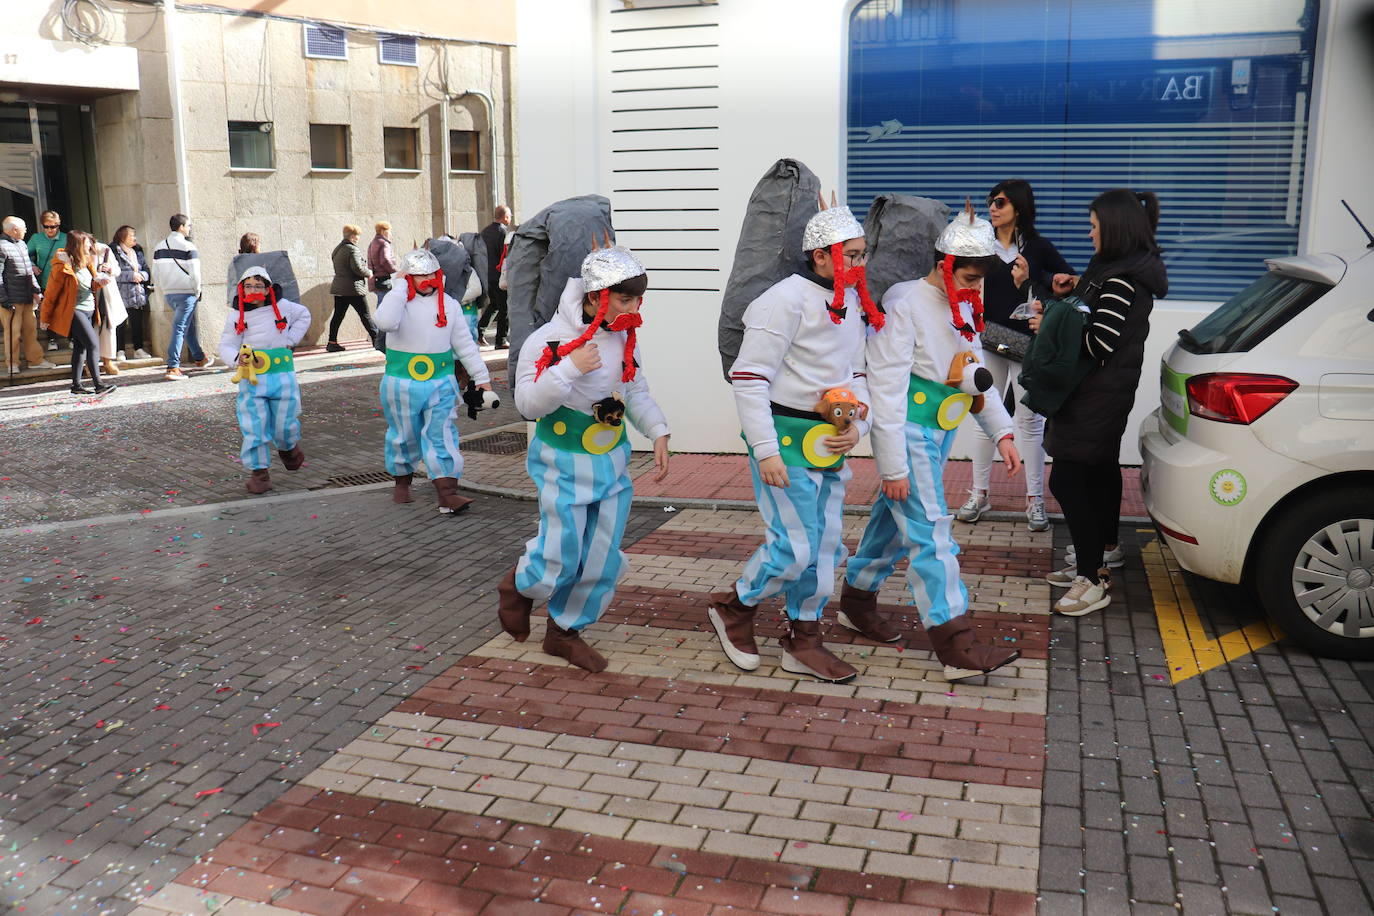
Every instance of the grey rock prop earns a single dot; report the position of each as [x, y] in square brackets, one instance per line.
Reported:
[455, 263]
[277, 264]
[901, 232]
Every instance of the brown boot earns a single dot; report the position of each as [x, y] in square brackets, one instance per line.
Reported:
[292, 457]
[859, 612]
[804, 653]
[402, 492]
[260, 482]
[734, 624]
[958, 648]
[446, 490]
[514, 609]
[567, 644]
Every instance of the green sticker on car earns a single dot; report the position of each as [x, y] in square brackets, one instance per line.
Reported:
[1227, 487]
[1173, 398]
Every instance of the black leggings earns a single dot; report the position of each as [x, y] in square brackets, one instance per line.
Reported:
[341, 305]
[1090, 495]
[85, 346]
[130, 333]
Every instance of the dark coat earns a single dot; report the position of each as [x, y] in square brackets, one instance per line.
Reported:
[1000, 295]
[1092, 420]
[350, 273]
[134, 294]
[494, 237]
[18, 285]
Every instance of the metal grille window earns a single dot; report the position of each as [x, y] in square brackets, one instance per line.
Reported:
[401, 149]
[464, 151]
[329, 147]
[326, 41]
[398, 49]
[1206, 105]
[250, 145]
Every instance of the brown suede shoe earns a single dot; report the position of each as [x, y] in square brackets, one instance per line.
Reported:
[734, 624]
[293, 457]
[259, 482]
[402, 492]
[567, 644]
[958, 648]
[859, 612]
[804, 653]
[446, 492]
[514, 609]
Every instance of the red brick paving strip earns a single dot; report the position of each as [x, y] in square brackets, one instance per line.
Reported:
[481, 866]
[907, 739]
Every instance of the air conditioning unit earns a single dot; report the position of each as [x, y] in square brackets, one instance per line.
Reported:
[398, 49]
[326, 42]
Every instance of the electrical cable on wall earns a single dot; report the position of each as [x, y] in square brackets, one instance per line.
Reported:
[91, 22]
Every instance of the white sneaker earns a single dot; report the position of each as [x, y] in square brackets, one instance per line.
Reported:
[1062, 578]
[142, 354]
[1114, 558]
[45, 364]
[1084, 597]
[205, 363]
[973, 509]
[1036, 517]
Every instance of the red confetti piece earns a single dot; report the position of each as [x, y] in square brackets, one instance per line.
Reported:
[33, 621]
[414, 667]
[108, 661]
[161, 706]
[100, 723]
[261, 725]
[203, 792]
[222, 689]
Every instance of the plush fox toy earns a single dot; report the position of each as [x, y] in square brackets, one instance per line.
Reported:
[970, 377]
[841, 408]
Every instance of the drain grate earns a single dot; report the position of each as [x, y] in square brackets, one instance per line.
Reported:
[354, 480]
[507, 443]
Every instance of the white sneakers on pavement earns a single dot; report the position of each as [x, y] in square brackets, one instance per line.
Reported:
[1037, 519]
[1085, 596]
[973, 509]
[1114, 558]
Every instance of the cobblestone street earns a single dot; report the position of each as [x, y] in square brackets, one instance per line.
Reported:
[300, 703]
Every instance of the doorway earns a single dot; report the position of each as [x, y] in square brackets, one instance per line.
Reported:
[47, 163]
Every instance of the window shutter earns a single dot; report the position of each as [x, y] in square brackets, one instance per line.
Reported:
[398, 49]
[325, 42]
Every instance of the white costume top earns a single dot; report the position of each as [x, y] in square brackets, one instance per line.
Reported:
[919, 339]
[261, 332]
[410, 327]
[562, 385]
[793, 353]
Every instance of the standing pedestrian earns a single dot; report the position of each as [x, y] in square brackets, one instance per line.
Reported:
[69, 307]
[19, 290]
[381, 260]
[109, 306]
[496, 236]
[349, 287]
[249, 243]
[135, 283]
[176, 266]
[42, 249]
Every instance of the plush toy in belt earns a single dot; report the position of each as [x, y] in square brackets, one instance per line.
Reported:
[970, 377]
[610, 410]
[247, 368]
[841, 408]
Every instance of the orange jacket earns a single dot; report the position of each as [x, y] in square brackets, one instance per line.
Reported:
[59, 299]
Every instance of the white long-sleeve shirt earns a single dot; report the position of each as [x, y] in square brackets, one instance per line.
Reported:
[793, 353]
[410, 328]
[563, 385]
[261, 332]
[919, 339]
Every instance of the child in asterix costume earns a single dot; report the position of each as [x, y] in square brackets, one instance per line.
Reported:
[925, 376]
[578, 375]
[803, 337]
[425, 330]
[259, 332]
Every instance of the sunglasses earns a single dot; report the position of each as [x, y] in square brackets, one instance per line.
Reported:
[998, 203]
[51, 226]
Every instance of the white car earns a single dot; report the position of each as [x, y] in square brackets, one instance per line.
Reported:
[1258, 467]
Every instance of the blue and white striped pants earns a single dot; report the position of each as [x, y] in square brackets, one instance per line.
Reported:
[575, 559]
[269, 414]
[919, 528]
[803, 540]
[421, 423]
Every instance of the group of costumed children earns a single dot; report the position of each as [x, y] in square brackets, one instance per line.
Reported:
[820, 365]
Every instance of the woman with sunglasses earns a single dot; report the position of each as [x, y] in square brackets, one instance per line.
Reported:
[1027, 263]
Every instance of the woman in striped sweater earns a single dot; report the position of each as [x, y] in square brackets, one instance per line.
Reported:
[1120, 285]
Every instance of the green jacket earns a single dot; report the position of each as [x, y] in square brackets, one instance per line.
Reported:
[1055, 362]
[42, 251]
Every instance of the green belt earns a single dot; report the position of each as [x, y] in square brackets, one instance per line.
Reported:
[470, 308]
[936, 405]
[420, 367]
[275, 359]
[574, 431]
[799, 444]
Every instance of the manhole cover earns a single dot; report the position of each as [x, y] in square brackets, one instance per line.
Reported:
[354, 480]
[507, 443]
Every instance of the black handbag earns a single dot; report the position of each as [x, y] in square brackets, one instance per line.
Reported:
[1006, 342]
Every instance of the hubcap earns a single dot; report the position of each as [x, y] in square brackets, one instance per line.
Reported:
[1333, 578]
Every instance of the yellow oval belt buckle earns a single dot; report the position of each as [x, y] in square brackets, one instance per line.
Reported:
[953, 409]
[811, 446]
[261, 361]
[420, 367]
[599, 438]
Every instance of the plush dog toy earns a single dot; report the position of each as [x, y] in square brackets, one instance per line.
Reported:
[247, 367]
[841, 408]
[970, 377]
[609, 411]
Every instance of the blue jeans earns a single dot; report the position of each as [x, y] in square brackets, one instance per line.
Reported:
[183, 319]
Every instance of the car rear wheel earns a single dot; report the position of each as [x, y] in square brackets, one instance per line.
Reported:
[1314, 572]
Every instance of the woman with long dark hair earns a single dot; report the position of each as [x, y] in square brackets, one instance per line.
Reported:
[1084, 434]
[1025, 269]
[69, 307]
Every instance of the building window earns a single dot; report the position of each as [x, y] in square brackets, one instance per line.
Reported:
[329, 147]
[398, 49]
[464, 151]
[401, 149]
[326, 42]
[1205, 106]
[250, 145]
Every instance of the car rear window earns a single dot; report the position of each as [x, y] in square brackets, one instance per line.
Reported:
[1252, 314]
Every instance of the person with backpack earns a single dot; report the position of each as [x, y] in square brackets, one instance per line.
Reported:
[803, 337]
[925, 374]
[580, 379]
[176, 270]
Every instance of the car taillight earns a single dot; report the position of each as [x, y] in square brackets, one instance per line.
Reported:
[1236, 397]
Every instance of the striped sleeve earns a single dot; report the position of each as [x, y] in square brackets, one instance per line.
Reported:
[1104, 329]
